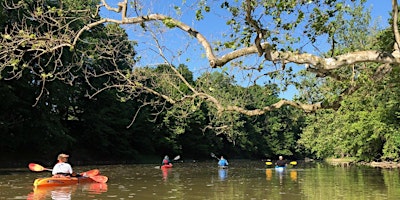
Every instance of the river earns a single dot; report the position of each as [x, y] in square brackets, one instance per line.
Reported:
[203, 180]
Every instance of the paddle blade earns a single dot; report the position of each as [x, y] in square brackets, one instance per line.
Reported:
[177, 157]
[213, 155]
[37, 168]
[293, 163]
[100, 178]
[268, 163]
[91, 173]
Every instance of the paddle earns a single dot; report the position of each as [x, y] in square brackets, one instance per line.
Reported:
[38, 168]
[175, 159]
[90, 173]
[270, 163]
[99, 178]
[213, 155]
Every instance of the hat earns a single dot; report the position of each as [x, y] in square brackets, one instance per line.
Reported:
[62, 156]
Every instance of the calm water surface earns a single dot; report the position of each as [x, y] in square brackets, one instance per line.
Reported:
[243, 180]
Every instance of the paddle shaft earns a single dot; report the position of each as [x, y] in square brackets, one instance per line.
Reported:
[213, 155]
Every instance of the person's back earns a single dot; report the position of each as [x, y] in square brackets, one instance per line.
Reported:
[166, 161]
[62, 168]
[280, 162]
[222, 162]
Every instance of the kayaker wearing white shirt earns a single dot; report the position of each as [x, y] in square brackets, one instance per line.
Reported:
[62, 168]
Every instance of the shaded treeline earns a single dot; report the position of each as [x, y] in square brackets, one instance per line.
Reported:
[98, 129]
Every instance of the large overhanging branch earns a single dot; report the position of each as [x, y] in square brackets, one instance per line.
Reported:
[395, 14]
[317, 63]
[221, 108]
[272, 55]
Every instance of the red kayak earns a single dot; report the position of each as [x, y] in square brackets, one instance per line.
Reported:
[166, 166]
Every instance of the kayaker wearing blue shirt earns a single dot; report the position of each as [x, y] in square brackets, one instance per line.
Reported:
[222, 162]
[280, 162]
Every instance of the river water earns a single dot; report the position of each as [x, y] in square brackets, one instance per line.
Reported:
[203, 180]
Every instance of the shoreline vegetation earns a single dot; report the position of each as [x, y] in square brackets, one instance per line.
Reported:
[342, 162]
[352, 161]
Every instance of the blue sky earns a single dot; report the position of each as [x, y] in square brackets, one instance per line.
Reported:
[191, 53]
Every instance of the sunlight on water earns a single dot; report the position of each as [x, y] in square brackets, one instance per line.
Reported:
[243, 180]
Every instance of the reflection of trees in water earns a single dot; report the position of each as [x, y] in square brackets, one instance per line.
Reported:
[391, 180]
[350, 183]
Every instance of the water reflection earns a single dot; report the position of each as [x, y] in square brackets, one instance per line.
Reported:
[281, 173]
[57, 193]
[165, 172]
[246, 180]
[61, 193]
[223, 174]
[65, 192]
[268, 173]
[293, 175]
[95, 188]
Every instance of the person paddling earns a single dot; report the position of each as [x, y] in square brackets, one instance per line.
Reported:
[62, 168]
[166, 161]
[223, 162]
[280, 162]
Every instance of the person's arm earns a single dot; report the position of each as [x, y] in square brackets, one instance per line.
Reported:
[55, 170]
[70, 169]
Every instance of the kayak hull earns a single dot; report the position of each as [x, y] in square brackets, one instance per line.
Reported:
[51, 181]
[166, 166]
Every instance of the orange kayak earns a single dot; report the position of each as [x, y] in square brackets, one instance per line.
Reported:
[90, 176]
[60, 181]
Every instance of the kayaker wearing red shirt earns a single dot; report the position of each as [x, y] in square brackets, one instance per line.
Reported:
[166, 161]
[62, 168]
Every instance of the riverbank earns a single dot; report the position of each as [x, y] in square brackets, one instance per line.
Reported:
[351, 161]
[386, 164]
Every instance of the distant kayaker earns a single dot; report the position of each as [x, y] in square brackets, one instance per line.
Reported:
[62, 168]
[280, 162]
[222, 162]
[166, 161]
